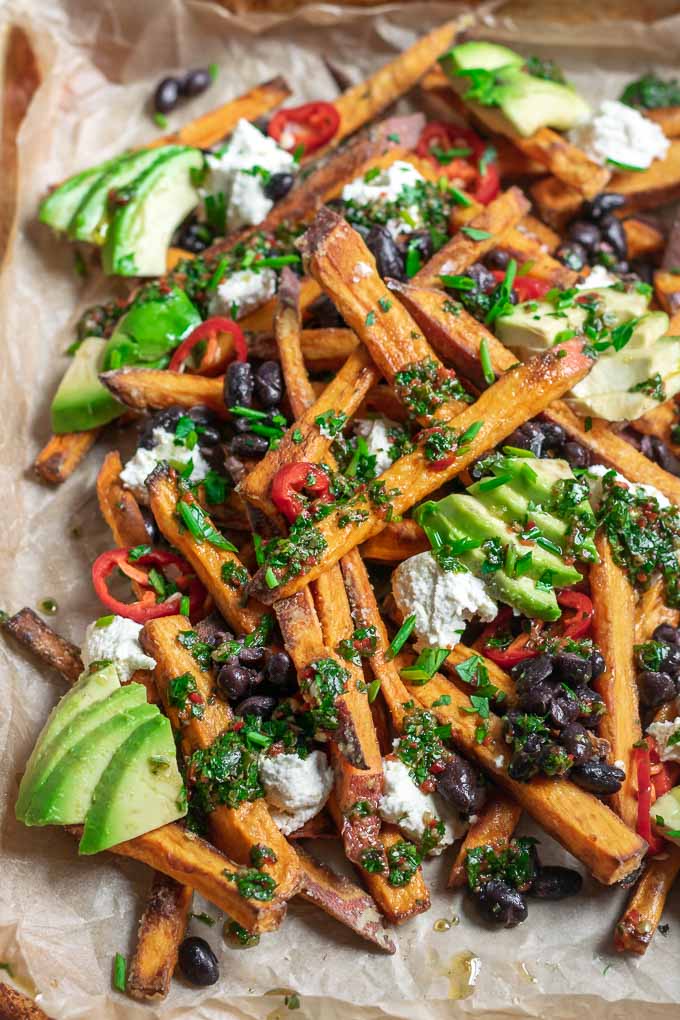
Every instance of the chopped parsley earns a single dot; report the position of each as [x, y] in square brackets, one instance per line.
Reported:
[201, 651]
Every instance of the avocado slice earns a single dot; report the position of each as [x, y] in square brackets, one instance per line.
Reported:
[140, 790]
[81, 402]
[90, 222]
[89, 689]
[57, 208]
[80, 727]
[160, 198]
[66, 795]
[480, 54]
[156, 322]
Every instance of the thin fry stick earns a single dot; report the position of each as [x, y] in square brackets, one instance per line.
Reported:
[150, 389]
[59, 458]
[14, 1005]
[396, 542]
[635, 930]
[162, 927]
[118, 506]
[29, 630]
[652, 611]
[494, 827]
[642, 239]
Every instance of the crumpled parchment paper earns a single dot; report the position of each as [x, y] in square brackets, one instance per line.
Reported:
[62, 920]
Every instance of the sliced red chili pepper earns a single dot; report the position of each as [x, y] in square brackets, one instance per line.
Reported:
[644, 794]
[293, 479]
[146, 608]
[310, 125]
[206, 330]
[488, 185]
[446, 138]
[578, 625]
[515, 652]
[527, 288]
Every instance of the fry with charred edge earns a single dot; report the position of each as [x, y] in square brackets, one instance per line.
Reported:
[667, 292]
[584, 826]
[162, 927]
[215, 125]
[635, 930]
[324, 349]
[332, 251]
[643, 239]
[342, 899]
[153, 389]
[15, 1005]
[659, 422]
[304, 440]
[517, 396]
[321, 826]
[494, 827]
[613, 632]
[458, 337]
[29, 630]
[287, 329]
[396, 542]
[651, 611]
[207, 560]
[59, 458]
[556, 202]
[118, 506]
[237, 830]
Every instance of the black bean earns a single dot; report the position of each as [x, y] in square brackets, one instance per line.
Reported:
[483, 277]
[166, 419]
[324, 315]
[532, 671]
[671, 663]
[166, 95]
[575, 739]
[664, 632]
[497, 259]
[195, 82]
[461, 784]
[572, 254]
[269, 384]
[598, 663]
[591, 706]
[602, 205]
[241, 424]
[197, 962]
[643, 270]
[239, 384]
[209, 436]
[258, 705]
[554, 435]
[660, 453]
[551, 882]
[522, 766]
[526, 438]
[621, 268]
[499, 903]
[537, 698]
[389, 259]
[422, 241]
[279, 185]
[279, 671]
[212, 630]
[598, 777]
[576, 454]
[251, 656]
[571, 667]
[203, 415]
[563, 710]
[248, 445]
[585, 233]
[614, 234]
[235, 681]
[655, 688]
[194, 237]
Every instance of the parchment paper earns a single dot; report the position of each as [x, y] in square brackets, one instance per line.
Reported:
[61, 920]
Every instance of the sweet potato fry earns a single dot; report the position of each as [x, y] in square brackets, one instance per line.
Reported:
[340, 898]
[118, 506]
[668, 119]
[518, 395]
[29, 630]
[667, 290]
[207, 559]
[613, 631]
[651, 611]
[635, 930]
[396, 542]
[174, 256]
[494, 827]
[237, 830]
[217, 124]
[14, 1005]
[502, 680]
[501, 215]
[149, 389]
[59, 458]
[659, 422]
[556, 202]
[261, 320]
[324, 350]
[643, 239]
[162, 927]
[287, 329]
[584, 826]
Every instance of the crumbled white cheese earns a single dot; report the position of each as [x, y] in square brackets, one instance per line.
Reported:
[116, 639]
[139, 467]
[667, 736]
[376, 433]
[620, 764]
[404, 804]
[442, 600]
[295, 788]
[598, 277]
[244, 291]
[387, 186]
[620, 133]
[361, 269]
[240, 171]
[596, 473]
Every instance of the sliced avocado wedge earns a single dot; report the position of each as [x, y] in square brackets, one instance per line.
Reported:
[156, 322]
[159, 199]
[89, 689]
[479, 54]
[57, 208]
[81, 727]
[140, 790]
[90, 222]
[66, 795]
[81, 402]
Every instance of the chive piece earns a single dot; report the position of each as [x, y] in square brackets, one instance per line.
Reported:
[160, 120]
[401, 637]
[475, 234]
[119, 972]
[373, 689]
[469, 434]
[458, 282]
[493, 483]
[270, 578]
[247, 412]
[549, 546]
[370, 319]
[184, 605]
[485, 359]
[460, 198]
[216, 277]
[259, 551]
[213, 71]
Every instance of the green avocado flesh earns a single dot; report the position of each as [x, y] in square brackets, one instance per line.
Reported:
[81, 402]
[58, 208]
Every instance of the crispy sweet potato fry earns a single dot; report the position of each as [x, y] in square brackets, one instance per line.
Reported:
[584, 826]
[59, 458]
[162, 927]
[635, 930]
[29, 630]
[174, 256]
[518, 395]
[261, 320]
[217, 124]
[659, 422]
[502, 680]
[118, 506]
[151, 389]
[207, 559]
[643, 239]
[613, 630]
[237, 830]
[340, 898]
[396, 542]
[556, 202]
[668, 119]
[667, 290]
[324, 350]
[287, 329]
[14, 1005]
[494, 827]
[651, 611]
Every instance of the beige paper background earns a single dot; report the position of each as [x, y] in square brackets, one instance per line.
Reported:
[62, 920]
